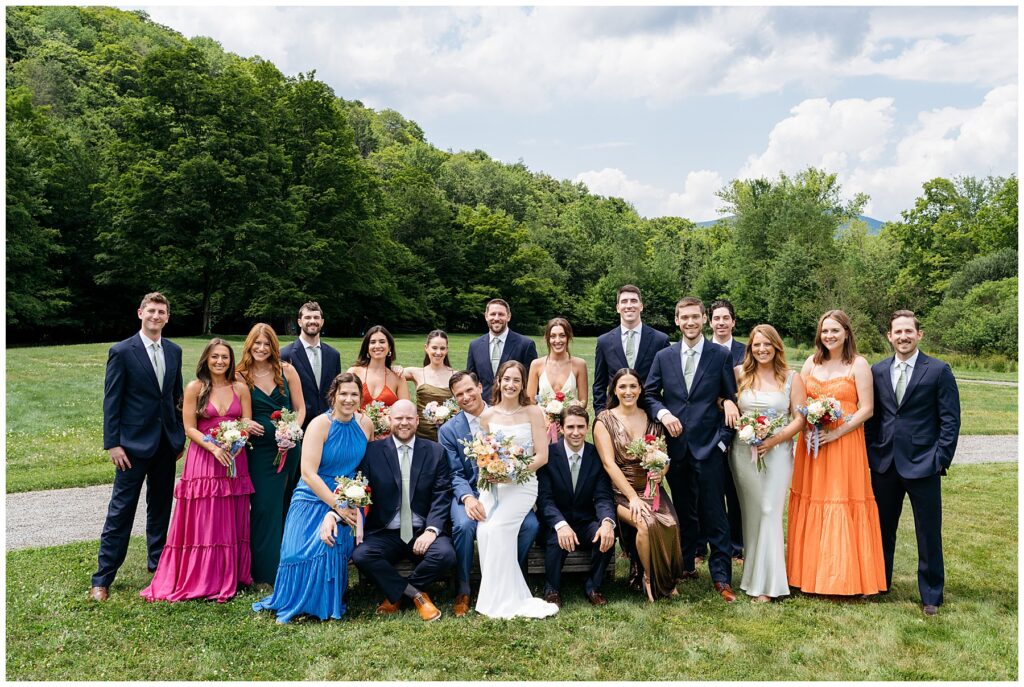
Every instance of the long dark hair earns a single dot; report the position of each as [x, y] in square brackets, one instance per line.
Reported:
[821, 353]
[496, 389]
[613, 400]
[363, 359]
[434, 334]
[206, 378]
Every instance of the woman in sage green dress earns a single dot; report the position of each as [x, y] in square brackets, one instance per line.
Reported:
[274, 386]
[431, 380]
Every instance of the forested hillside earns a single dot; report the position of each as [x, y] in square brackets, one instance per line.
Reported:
[138, 159]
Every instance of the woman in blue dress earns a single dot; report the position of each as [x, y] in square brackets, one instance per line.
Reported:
[313, 574]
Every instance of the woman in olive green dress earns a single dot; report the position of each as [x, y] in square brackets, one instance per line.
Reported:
[431, 380]
[274, 385]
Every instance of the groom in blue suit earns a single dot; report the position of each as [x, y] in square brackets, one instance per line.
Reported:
[466, 509]
[499, 344]
[143, 431]
[683, 388]
[631, 344]
[911, 439]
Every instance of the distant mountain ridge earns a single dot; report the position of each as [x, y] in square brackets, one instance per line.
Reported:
[874, 225]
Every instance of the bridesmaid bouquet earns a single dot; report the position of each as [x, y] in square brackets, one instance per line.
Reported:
[353, 492]
[819, 412]
[380, 416]
[231, 435]
[287, 433]
[754, 427]
[439, 413]
[553, 405]
[652, 453]
[498, 457]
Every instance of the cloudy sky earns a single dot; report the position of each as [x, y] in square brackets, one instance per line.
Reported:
[664, 105]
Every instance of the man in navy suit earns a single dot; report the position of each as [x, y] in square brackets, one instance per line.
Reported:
[683, 388]
[631, 344]
[143, 431]
[466, 509]
[911, 440]
[574, 497]
[412, 492]
[488, 352]
[316, 362]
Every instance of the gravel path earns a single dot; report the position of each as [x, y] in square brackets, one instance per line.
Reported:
[985, 381]
[77, 514]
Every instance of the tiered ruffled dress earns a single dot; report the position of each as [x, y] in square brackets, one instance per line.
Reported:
[207, 554]
[834, 542]
[313, 577]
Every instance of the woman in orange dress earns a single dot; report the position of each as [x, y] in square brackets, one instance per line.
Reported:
[373, 366]
[834, 542]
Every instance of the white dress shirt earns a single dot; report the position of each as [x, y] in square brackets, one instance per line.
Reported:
[698, 350]
[894, 372]
[623, 335]
[568, 454]
[417, 519]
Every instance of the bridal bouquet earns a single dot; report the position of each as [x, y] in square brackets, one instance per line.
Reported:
[652, 453]
[439, 413]
[754, 427]
[380, 416]
[497, 457]
[287, 433]
[353, 492]
[819, 412]
[232, 436]
[553, 405]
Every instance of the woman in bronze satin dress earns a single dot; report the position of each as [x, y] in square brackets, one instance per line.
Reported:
[657, 532]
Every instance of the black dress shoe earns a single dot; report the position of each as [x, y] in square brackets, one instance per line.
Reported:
[690, 575]
[930, 610]
[553, 598]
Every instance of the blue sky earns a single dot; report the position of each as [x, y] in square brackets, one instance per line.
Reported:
[664, 105]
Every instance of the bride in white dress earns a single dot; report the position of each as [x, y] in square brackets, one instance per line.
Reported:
[503, 591]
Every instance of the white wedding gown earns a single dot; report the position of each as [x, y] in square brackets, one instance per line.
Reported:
[503, 591]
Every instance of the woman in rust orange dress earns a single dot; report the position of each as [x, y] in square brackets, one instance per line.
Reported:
[834, 539]
[373, 366]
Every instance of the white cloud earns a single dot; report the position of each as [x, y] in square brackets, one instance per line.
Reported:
[697, 200]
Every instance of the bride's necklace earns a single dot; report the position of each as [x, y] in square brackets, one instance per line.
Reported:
[506, 413]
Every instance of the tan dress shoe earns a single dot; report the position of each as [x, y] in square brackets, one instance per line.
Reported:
[461, 605]
[726, 591]
[387, 608]
[425, 607]
[99, 593]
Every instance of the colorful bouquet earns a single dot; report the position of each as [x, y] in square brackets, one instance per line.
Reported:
[380, 416]
[232, 436]
[353, 492]
[439, 413]
[754, 427]
[499, 458]
[553, 405]
[819, 412]
[287, 433]
[652, 453]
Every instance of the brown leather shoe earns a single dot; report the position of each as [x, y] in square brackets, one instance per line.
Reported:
[387, 608]
[690, 575]
[596, 598]
[461, 605]
[425, 607]
[726, 591]
[930, 610]
[553, 598]
[99, 593]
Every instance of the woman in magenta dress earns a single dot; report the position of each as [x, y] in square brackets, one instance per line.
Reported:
[207, 553]
[373, 366]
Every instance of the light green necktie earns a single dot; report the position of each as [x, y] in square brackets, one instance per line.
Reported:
[405, 517]
[316, 364]
[689, 368]
[901, 383]
[630, 348]
[495, 355]
[158, 366]
[574, 469]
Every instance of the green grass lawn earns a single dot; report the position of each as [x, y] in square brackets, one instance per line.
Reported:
[55, 405]
[55, 633]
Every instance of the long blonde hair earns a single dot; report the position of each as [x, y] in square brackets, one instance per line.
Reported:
[748, 368]
[245, 366]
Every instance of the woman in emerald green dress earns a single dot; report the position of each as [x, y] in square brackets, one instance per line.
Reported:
[274, 386]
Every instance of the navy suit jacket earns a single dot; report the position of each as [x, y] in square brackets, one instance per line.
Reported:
[737, 350]
[430, 488]
[610, 357]
[463, 470]
[136, 413]
[556, 500]
[703, 421]
[330, 367]
[920, 434]
[517, 347]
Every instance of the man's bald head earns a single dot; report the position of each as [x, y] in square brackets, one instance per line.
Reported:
[404, 419]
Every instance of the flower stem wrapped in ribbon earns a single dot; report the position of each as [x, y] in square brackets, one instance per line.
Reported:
[652, 453]
[819, 412]
[287, 433]
[232, 436]
[439, 413]
[754, 427]
[553, 405]
[354, 492]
